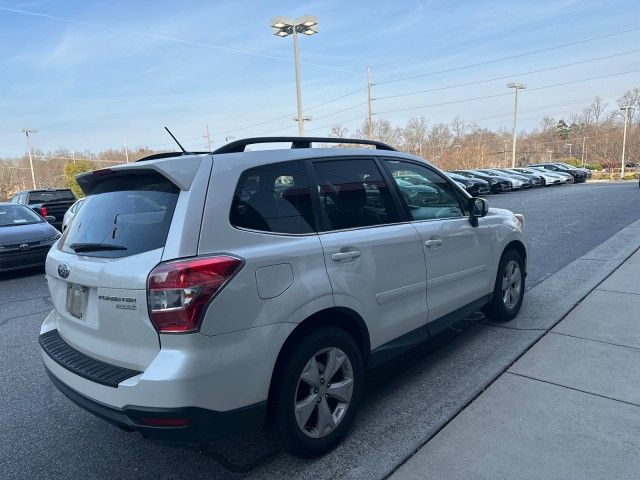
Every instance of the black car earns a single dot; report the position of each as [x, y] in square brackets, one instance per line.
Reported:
[497, 184]
[474, 186]
[578, 175]
[25, 237]
[53, 202]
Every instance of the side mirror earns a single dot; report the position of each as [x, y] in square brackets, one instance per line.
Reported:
[50, 218]
[478, 207]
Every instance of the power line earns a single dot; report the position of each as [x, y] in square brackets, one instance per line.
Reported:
[501, 59]
[503, 77]
[464, 100]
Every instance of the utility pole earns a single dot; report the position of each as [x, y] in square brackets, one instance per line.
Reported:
[28, 131]
[505, 153]
[370, 125]
[584, 140]
[624, 136]
[73, 156]
[516, 87]
[569, 145]
[206, 135]
[126, 150]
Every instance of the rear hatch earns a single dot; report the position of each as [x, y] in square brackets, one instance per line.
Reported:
[97, 274]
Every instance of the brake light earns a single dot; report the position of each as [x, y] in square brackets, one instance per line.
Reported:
[179, 291]
[43, 211]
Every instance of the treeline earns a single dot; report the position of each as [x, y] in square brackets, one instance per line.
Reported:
[592, 136]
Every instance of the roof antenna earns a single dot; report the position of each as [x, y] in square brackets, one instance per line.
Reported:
[184, 152]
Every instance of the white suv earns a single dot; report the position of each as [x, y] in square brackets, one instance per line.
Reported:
[198, 295]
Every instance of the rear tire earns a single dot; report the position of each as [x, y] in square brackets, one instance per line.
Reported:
[311, 414]
[509, 288]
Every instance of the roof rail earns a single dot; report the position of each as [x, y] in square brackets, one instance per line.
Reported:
[156, 156]
[296, 142]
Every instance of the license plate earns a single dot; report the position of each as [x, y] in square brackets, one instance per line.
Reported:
[77, 300]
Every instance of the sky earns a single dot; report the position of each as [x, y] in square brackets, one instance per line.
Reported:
[94, 75]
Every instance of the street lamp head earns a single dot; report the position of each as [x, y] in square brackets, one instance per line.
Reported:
[282, 32]
[516, 85]
[307, 20]
[307, 30]
[281, 22]
[627, 107]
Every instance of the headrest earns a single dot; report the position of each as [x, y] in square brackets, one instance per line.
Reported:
[352, 196]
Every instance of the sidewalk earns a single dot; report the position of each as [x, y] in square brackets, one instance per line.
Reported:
[568, 408]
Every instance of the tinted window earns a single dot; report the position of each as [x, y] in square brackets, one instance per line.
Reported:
[53, 196]
[353, 194]
[429, 197]
[131, 213]
[12, 215]
[274, 198]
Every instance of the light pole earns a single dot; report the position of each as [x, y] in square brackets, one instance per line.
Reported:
[516, 87]
[283, 27]
[550, 152]
[28, 131]
[624, 109]
[569, 145]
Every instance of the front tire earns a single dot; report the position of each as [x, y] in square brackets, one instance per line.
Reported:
[509, 288]
[316, 392]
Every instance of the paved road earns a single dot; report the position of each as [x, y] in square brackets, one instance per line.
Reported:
[44, 436]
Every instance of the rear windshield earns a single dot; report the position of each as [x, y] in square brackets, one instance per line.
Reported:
[54, 196]
[123, 216]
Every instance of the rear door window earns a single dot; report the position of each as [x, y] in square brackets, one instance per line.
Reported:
[353, 194]
[274, 198]
[122, 216]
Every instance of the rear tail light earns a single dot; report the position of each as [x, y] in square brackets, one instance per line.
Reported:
[178, 292]
[43, 211]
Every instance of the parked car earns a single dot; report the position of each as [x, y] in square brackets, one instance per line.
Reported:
[525, 182]
[564, 176]
[578, 176]
[198, 295]
[71, 213]
[52, 203]
[516, 183]
[474, 186]
[585, 170]
[497, 184]
[535, 180]
[25, 237]
[547, 177]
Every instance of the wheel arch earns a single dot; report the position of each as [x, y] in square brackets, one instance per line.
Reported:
[341, 317]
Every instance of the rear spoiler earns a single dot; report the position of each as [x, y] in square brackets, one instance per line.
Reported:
[178, 170]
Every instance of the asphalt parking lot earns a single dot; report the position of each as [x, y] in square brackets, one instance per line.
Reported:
[46, 436]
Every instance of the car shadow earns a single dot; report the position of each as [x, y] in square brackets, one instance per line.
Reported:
[242, 454]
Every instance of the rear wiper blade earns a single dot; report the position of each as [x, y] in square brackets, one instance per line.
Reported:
[95, 247]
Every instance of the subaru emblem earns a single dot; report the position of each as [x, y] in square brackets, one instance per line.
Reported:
[63, 270]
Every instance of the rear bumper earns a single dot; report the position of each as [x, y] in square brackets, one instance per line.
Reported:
[190, 424]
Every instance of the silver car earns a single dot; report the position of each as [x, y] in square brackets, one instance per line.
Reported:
[200, 295]
[71, 213]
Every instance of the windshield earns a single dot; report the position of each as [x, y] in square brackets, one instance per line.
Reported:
[11, 215]
[51, 196]
[123, 216]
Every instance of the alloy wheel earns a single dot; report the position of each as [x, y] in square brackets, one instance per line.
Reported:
[324, 392]
[511, 284]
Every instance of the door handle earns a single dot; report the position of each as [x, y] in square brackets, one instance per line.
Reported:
[433, 243]
[337, 257]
